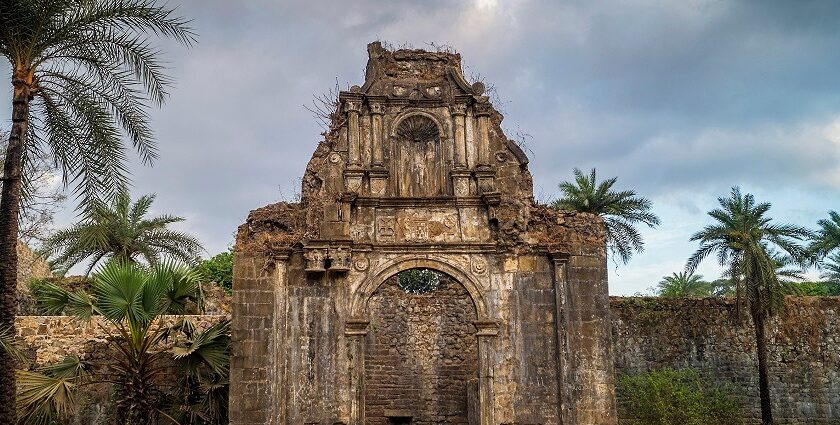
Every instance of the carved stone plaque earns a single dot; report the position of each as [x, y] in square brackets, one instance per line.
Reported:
[427, 225]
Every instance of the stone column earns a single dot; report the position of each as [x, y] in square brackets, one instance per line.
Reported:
[559, 263]
[377, 108]
[482, 113]
[459, 115]
[355, 331]
[486, 332]
[378, 174]
[353, 106]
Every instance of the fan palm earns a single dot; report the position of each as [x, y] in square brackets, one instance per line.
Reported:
[621, 211]
[204, 362]
[83, 73]
[684, 284]
[133, 300]
[47, 395]
[120, 230]
[743, 237]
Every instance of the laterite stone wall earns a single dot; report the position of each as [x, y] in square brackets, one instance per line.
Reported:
[704, 334]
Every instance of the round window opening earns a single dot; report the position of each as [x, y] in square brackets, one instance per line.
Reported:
[418, 281]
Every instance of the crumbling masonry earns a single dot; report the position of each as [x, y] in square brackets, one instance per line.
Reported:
[415, 172]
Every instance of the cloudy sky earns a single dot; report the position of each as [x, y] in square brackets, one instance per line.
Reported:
[680, 99]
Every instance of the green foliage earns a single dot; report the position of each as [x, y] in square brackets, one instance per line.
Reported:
[683, 284]
[204, 362]
[722, 287]
[121, 230]
[46, 396]
[133, 299]
[418, 281]
[744, 240]
[670, 396]
[93, 74]
[219, 269]
[827, 238]
[7, 345]
[621, 211]
[818, 289]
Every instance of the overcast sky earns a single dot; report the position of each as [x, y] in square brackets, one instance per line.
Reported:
[681, 100]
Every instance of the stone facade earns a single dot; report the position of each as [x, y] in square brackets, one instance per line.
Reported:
[415, 172]
[704, 334]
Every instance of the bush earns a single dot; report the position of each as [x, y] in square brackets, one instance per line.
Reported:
[219, 269]
[676, 397]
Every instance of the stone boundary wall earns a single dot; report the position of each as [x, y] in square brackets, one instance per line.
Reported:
[648, 334]
[704, 334]
[48, 339]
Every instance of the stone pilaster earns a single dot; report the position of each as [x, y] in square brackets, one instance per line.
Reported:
[482, 113]
[377, 108]
[352, 105]
[486, 333]
[586, 362]
[459, 115]
[355, 331]
[257, 336]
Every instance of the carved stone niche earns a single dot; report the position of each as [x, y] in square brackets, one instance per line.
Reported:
[340, 259]
[315, 260]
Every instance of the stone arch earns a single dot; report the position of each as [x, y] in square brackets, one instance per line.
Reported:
[376, 278]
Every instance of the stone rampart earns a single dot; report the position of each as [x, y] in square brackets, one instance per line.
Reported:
[704, 334]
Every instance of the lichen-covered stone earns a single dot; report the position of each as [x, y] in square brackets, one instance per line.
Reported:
[705, 334]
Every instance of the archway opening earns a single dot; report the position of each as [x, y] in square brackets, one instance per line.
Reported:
[421, 361]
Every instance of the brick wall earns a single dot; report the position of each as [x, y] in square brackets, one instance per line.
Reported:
[421, 354]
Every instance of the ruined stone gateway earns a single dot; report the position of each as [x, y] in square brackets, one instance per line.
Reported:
[415, 173]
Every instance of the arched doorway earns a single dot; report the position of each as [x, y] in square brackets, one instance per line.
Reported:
[421, 351]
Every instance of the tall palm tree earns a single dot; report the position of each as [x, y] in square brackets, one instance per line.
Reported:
[745, 240]
[120, 230]
[83, 73]
[133, 300]
[621, 211]
[684, 284]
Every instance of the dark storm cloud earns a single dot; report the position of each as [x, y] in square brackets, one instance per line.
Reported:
[670, 96]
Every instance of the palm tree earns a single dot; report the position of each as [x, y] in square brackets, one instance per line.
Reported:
[684, 284]
[831, 273]
[827, 238]
[83, 73]
[745, 240]
[121, 230]
[621, 211]
[133, 300]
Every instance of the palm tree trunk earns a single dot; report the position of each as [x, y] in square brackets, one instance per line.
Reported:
[9, 212]
[763, 381]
